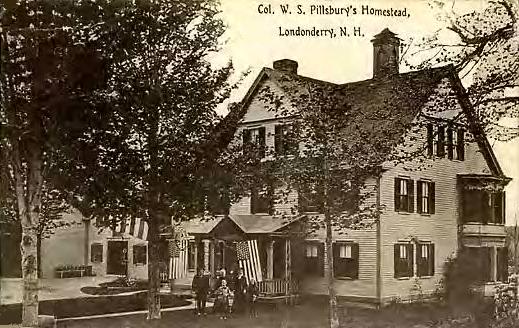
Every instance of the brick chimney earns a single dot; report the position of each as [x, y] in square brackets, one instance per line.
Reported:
[386, 48]
[286, 65]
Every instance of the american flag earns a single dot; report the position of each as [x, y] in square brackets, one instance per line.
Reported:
[135, 227]
[248, 259]
[178, 253]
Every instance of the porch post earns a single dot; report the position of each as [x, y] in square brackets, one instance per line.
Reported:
[206, 255]
[195, 255]
[213, 247]
[493, 263]
[270, 259]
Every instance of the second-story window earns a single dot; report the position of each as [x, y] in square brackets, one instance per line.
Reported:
[284, 140]
[254, 141]
[404, 195]
[310, 198]
[261, 199]
[425, 197]
[442, 141]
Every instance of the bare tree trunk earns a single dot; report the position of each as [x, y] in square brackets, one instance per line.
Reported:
[153, 269]
[28, 200]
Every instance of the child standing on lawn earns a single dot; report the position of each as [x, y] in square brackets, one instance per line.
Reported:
[222, 299]
[252, 295]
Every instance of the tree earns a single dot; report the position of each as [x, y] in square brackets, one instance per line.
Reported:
[482, 44]
[157, 132]
[46, 71]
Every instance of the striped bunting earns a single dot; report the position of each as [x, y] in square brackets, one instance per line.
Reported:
[178, 252]
[249, 260]
[135, 227]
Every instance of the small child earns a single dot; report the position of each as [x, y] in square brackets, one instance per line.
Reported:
[252, 295]
[222, 299]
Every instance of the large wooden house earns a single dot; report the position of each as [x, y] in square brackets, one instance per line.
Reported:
[455, 199]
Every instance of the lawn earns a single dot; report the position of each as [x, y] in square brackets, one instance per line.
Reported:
[307, 315]
[86, 306]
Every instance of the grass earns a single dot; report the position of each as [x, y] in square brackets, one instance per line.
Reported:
[86, 306]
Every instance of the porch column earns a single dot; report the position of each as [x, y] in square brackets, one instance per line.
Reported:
[270, 259]
[493, 263]
[206, 255]
[211, 258]
[195, 255]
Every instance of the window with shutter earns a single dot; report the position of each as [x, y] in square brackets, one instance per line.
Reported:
[425, 197]
[403, 260]
[404, 195]
[254, 141]
[96, 253]
[346, 260]
[284, 140]
[425, 259]
[314, 259]
[261, 199]
[140, 254]
[310, 198]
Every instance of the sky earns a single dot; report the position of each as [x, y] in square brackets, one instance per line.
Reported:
[253, 42]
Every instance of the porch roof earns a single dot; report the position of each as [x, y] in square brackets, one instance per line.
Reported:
[248, 223]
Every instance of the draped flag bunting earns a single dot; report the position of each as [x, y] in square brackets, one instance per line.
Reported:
[178, 260]
[135, 227]
[249, 260]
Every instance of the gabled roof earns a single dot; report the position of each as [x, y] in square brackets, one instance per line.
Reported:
[249, 224]
[388, 106]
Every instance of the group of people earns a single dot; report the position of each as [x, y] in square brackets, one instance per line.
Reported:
[244, 294]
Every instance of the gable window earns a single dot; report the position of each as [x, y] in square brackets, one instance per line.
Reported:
[425, 197]
[403, 260]
[440, 141]
[284, 143]
[404, 195]
[254, 141]
[314, 259]
[443, 141]
[310, 198]
[261, 199]
[140, 254]
[346, 260]
[96, 253]
[455, 143]
[425, 260]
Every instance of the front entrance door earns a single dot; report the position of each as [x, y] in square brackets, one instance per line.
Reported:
[117, 262]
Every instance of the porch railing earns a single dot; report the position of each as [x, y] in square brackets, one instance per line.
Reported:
[277, 287]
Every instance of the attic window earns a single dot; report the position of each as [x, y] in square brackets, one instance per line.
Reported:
[254, 141]
[442, 140]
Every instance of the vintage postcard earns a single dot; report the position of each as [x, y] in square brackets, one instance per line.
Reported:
[247, 163]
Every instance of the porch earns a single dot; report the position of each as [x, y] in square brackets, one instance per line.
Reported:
[215, 243]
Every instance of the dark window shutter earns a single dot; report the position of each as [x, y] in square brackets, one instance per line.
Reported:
[460, 147]
[503, 207]
[432, 198]
[336, 249]
[355, 257]
[320, 255]
[450, 149]
[410, 195]
[410, 259]
[420, 261]
[396, 260]
[261, 141]
[397, 194]
[246, 137]
[419, 196]
[430, 139]
[431, 260]
[440, 145]
[278, 144]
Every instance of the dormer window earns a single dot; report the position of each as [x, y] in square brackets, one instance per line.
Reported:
[254, 141]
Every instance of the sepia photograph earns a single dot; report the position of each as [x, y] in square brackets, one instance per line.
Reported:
[259, 163]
